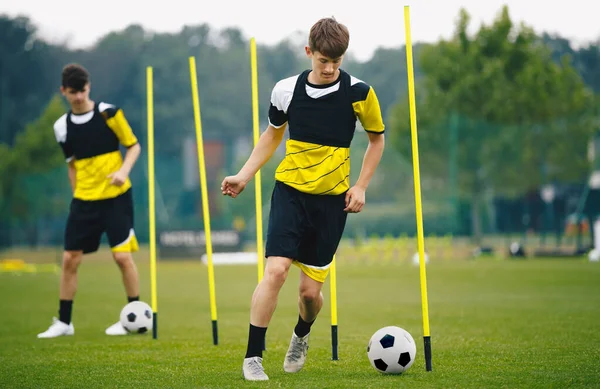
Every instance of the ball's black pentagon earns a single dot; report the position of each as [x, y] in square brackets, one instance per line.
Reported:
[131, 317]
[148, 314]
[387, 341]
[380, 364]
[142, 330]
[404, 359]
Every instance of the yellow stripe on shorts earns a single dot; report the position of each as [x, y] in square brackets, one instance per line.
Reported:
[128, 246]
[318, 274]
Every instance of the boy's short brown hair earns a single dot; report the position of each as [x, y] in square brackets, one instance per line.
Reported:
[329, 38]
[75, 76]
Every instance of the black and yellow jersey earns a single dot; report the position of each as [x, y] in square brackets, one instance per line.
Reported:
[321, 122]
[92, 141]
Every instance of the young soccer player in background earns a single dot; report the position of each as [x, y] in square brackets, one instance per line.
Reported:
[89, 135]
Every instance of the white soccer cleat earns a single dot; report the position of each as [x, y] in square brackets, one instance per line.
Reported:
[116, 329]
[58, 328]
[296, 354]
[253, 369]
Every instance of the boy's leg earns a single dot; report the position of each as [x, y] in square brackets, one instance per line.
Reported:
[310, 302]
[286, 224]
[264, 302]
[123, 242]
[68, 284]
[68, 287]
[82, 235]
[124, 261]
[328, 219]
[129, 272]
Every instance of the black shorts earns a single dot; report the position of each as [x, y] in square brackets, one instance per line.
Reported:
[305, 227]
[88, 220]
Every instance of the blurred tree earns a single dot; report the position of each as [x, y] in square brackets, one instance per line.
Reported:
[477, 85]
[499, 102]
[30, 187]
[586, 59]
[36, 147]
[386, 73]
[6, 183]
[25, 63]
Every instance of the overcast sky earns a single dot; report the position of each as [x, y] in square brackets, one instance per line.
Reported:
[372, 23]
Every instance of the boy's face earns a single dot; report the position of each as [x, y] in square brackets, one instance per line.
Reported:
[325, 69]
[76, 98]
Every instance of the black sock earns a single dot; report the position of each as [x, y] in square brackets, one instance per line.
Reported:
[302, 328]
[256, 340]
[65, 309]
[130, 299]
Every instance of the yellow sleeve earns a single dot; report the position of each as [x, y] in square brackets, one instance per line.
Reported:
[115, 119]
[368, 112]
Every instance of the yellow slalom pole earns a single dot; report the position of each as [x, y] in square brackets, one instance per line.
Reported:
[417, 184]
[257, 180]
[334, 320]
[151, 199]
[205, 210]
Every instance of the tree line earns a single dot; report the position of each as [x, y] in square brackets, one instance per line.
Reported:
[503, 110]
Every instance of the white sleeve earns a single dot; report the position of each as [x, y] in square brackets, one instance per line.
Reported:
[281, 97]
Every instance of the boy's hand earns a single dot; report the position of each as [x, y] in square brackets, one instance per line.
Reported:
[118, 178]
[355, 200]
[233, 186]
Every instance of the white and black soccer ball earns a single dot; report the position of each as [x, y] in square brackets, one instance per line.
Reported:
[391, 350]
[136, 317]
[416, 259]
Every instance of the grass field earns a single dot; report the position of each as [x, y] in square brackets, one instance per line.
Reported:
[494, 324]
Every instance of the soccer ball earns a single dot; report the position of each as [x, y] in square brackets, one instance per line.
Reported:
[391, 350]
[136, 317]
[416, 260]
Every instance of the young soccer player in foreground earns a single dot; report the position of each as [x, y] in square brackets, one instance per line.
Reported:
[312, 195]
[89, 136]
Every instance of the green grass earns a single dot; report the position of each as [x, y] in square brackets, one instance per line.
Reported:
[494, 324]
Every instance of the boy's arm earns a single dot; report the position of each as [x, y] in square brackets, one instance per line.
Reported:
[131, 156]
[355, 197]
[72, 174]
[60, 132]
[371, 159]
[281, 96]
[268, 141]
[116, 120]
[369, 113]
[265, 147]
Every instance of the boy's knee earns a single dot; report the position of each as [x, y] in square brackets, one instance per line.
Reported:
[310, 295]
[276, 271]
[123, 259]
[71, 261]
